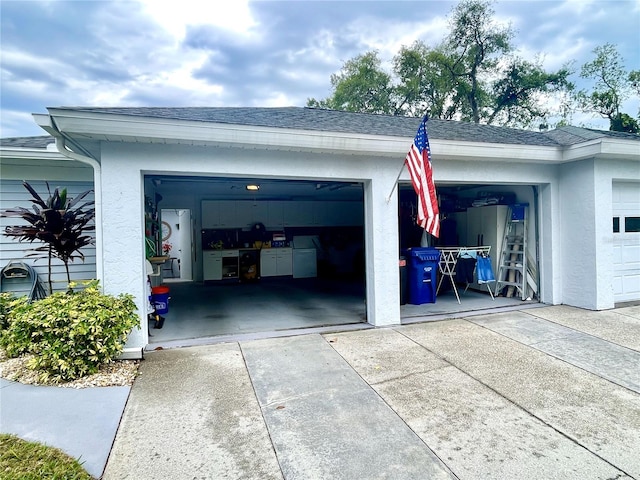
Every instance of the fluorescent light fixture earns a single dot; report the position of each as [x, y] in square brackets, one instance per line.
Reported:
[253, 187]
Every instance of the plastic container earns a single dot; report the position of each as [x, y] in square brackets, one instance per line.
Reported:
[160, 299]
[423, 272]
[517, 211]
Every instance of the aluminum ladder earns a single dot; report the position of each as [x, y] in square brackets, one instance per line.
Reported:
[512, 271]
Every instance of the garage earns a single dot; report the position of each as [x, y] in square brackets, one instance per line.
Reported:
[564, 176]
[260, 254]
[626, 241]
[295, 248]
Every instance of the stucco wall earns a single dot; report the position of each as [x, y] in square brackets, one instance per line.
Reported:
[586, 225]
[577, 208]
[124, 166]
[573, 270]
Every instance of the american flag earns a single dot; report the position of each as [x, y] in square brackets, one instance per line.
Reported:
[418, 162]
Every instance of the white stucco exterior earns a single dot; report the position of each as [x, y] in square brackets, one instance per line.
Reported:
[570, 187]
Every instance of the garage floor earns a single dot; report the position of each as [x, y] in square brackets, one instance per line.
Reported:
[198, 312]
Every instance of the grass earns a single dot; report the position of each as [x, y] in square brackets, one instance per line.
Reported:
[20, 459]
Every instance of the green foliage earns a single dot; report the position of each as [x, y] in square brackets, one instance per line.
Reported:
[70, 334]
[612, 86]
[472, 75]
[361, 86]
[59, 222]
[624, 123]
[6, 301]
[23, 460]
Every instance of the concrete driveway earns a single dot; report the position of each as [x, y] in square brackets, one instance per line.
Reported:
[543, 393]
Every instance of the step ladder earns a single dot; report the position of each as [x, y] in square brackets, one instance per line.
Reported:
[513, 272]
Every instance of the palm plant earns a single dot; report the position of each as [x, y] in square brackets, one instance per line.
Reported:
[60, 222]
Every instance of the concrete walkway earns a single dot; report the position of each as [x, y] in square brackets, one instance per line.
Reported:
[549, 393]
[82, 422]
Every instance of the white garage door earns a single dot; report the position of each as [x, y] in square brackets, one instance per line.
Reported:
[626, 241]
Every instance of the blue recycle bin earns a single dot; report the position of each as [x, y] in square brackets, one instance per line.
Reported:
[423, 272]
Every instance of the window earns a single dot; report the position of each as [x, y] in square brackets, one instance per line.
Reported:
[632, 224]
[616, 224]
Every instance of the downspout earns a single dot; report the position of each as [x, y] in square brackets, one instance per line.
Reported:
[61, 145]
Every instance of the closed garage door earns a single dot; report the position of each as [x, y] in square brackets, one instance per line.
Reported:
[626, 241]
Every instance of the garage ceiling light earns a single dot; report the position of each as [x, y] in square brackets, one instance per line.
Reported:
[252, 187]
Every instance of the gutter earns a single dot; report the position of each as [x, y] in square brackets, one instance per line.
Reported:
[48, 124]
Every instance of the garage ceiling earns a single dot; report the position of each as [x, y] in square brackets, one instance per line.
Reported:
[270, 189]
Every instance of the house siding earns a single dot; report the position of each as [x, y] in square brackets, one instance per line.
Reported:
[13, 194]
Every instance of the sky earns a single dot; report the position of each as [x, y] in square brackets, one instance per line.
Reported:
[226, 53]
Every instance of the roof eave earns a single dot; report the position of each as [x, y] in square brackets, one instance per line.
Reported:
[94, 126]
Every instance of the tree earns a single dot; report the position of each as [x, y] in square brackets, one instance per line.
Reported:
[472, 75]
[361, 86]
[59, 222]
[613, 85]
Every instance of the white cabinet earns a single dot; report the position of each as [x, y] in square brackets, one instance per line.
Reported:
[284, 261]
[275, 216]
[219, 214]
[248, 213]
[212, 265]
[276, 262]
[220, 264]
[268, 263]
[278, 214]
[297, 214]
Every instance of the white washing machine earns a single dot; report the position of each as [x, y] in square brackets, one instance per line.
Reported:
[305, 264]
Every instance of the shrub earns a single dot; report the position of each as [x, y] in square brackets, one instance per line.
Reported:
[6, 298]
[70, 334]
[7, 304]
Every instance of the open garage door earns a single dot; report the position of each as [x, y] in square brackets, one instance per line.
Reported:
[473, 220]
[626, 241]
[269, 254]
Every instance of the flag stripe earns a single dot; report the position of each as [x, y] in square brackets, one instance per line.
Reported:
[418, 163]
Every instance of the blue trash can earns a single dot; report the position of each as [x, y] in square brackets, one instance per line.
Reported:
[423, 272]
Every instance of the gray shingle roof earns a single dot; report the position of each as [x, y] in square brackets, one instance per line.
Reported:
[304, 118]
[570, 135]
[27, 142]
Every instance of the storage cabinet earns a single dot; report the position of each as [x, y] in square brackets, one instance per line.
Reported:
[275, 217]
[249, 213]
[277, 214]
[212, 265]
[220, 264]
[276, 262]
[219, 214]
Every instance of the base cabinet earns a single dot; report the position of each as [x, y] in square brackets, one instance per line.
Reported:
[212, 265]
[276, 262]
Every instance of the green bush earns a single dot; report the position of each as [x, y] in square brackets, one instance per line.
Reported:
[70, 334]
[6, 299]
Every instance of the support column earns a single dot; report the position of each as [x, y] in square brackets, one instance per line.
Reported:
[381, 241]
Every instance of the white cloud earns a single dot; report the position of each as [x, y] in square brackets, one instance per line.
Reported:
[175, 15]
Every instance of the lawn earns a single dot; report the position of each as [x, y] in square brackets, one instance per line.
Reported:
[20, 459]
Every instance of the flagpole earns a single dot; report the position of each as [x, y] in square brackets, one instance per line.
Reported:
[395, 184]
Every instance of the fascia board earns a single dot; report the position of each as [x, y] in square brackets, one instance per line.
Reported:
[607, 148]
[90, 125]
[19, 153]
[498, 152]
[152, 130]
[621, 149]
